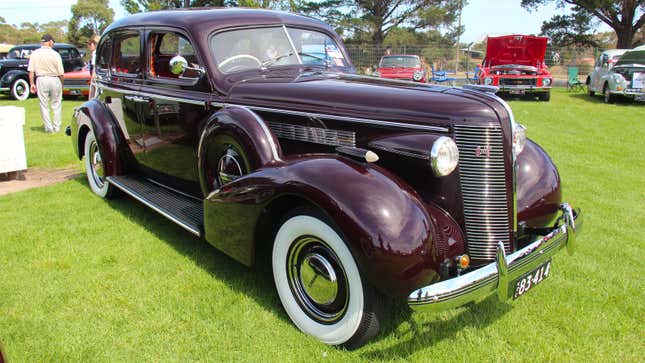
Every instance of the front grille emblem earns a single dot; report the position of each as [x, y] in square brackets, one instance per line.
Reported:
[483, 151]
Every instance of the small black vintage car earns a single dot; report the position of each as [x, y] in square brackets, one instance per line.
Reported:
[249, 128]
[14, 77]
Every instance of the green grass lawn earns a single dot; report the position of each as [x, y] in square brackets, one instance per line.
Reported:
[45, 150]
[82, 279]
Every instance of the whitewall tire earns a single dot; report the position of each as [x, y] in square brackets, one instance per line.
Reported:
[94, 168]
[319, 283]
[20, 89]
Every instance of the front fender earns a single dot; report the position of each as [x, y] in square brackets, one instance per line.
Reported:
[385, 223]
[94, 116]
[12, 75]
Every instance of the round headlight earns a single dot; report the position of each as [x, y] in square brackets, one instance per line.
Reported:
[519, 138]
[546, 82]
[444, 156]
[488, 81]
[417, 76]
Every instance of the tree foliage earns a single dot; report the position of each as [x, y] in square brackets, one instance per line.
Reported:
[373, 20]
[570, 30]
[31, 32]
[626, 17]
[88, 17]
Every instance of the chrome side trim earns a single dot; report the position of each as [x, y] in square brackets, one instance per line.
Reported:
[499, 275]
[314, 135]
[400, 152]
[153, 207]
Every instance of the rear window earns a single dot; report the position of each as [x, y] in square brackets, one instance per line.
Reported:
[127, 54]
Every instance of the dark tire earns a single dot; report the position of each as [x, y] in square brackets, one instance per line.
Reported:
[544, 96]
[20, 89]
[607, 96]
[94, 169]
[591, 93]
[319, 283]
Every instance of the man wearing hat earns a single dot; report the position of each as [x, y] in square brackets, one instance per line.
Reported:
[46, 67]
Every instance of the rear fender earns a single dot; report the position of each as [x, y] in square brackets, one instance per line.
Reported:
[12, 75]
[388, 228]
[94, 116]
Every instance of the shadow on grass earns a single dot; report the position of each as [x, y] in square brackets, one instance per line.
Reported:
[597, 99]
[257, 283]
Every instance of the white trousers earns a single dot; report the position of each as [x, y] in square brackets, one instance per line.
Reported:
[50, 89]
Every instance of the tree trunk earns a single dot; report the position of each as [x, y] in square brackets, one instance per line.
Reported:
[625, 38]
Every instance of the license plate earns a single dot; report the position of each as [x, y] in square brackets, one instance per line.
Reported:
[528, 281]
[516, 92]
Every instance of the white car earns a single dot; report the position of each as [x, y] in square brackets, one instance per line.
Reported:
[618, 72]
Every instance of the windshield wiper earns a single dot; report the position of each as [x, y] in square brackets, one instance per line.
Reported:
[271, 61]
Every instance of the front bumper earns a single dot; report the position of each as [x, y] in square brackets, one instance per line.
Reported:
[524, 88]
[499, 275]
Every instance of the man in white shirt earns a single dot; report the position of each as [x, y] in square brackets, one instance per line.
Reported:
[46, 69]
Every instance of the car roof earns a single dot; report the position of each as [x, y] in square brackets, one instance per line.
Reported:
[614, 52]
[37, 45]
[401, 55]
[210, 19]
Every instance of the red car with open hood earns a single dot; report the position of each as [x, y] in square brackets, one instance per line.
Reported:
[515, 64]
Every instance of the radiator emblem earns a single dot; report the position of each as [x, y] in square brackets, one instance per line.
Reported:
[483, 151]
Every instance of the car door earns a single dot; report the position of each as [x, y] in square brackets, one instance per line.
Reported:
[119, 73]
[174, 111]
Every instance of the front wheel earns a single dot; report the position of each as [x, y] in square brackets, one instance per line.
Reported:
[608, 97]
[20, 89]
[94, 169]
[320, 285]
[545, 96]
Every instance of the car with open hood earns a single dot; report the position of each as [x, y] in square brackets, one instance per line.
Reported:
[402, 66]
[250, 129]
[619, 73]
[515, 64]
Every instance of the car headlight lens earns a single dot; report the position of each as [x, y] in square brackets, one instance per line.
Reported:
[546, 82]
[444, 156]
[417, 76]
[488, 81]
[519, 138]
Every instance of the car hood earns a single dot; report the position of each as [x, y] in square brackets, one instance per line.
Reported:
[632, 57]
[516, 49]
[368, 97]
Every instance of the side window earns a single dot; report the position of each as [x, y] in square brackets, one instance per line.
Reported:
[103, 56]
[163, 47]
[127, 54]
[64, 53]
[73, 53]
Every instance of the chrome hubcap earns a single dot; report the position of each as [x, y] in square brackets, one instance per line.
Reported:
[229, 167]
[317, 280]
[96, 165]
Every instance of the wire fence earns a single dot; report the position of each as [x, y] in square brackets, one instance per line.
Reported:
[366, 58]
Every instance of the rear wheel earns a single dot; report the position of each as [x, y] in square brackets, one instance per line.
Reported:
[320, 285]
[94, 169]
[20, 89]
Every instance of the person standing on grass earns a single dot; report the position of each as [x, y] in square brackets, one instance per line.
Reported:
[46, 69]
[91, 45]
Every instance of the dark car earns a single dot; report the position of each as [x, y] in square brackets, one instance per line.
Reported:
[14, 77]
[249, 128]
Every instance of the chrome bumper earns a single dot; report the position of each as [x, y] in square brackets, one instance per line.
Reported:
[4, 89]
[499, 275]
[523, 87]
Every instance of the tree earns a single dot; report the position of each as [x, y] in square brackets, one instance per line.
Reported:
[567, 30]
[626, 17]
[137, 6]
[373, 19]
[89, 17]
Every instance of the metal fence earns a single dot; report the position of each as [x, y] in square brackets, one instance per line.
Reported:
[366, 58]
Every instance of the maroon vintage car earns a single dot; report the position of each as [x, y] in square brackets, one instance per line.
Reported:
[515, 64]
[250, 129]
[400, 66]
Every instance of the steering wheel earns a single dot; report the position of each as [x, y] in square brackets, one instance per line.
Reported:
[238, 57]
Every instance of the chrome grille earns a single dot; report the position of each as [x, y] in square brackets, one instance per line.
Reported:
[313, 134]
[483, 187]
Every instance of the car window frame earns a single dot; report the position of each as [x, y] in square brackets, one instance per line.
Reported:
[104, 39]
[115, 35]
[161, 81]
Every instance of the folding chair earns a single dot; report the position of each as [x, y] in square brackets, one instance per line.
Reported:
[573, 82]
[440, 76]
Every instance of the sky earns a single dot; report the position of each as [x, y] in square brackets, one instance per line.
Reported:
[481, 17]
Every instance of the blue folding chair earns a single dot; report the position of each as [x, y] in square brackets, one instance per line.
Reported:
[440, 76]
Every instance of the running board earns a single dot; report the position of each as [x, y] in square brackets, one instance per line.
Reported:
[187, 212]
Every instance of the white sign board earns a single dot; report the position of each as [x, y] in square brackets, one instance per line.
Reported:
[12, 140]
[638, 80]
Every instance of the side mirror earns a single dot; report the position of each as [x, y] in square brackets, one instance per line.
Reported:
[178, 65]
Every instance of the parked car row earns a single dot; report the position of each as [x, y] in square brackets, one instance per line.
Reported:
[619, 73]
[14, 78]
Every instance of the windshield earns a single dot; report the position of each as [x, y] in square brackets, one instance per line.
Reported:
[400, 61]
[247, 49]
[19, 53]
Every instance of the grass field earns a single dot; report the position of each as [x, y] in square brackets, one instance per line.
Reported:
[82, 279]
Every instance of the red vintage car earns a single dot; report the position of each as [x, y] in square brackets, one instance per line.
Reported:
[404, 67]
[77, 83]
[515, 64]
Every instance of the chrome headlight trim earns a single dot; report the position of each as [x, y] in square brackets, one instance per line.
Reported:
[488, 81]
[417, 76]
[519, 138]
[546, 82]
[444, 156]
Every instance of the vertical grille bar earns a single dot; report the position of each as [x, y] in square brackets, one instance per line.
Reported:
[483, 187]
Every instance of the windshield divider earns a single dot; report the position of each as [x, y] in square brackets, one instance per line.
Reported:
[293, 47]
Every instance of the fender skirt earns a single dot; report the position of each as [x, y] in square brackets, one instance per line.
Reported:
[388, 227]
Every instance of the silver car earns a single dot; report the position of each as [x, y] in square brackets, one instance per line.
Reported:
[619, 72]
